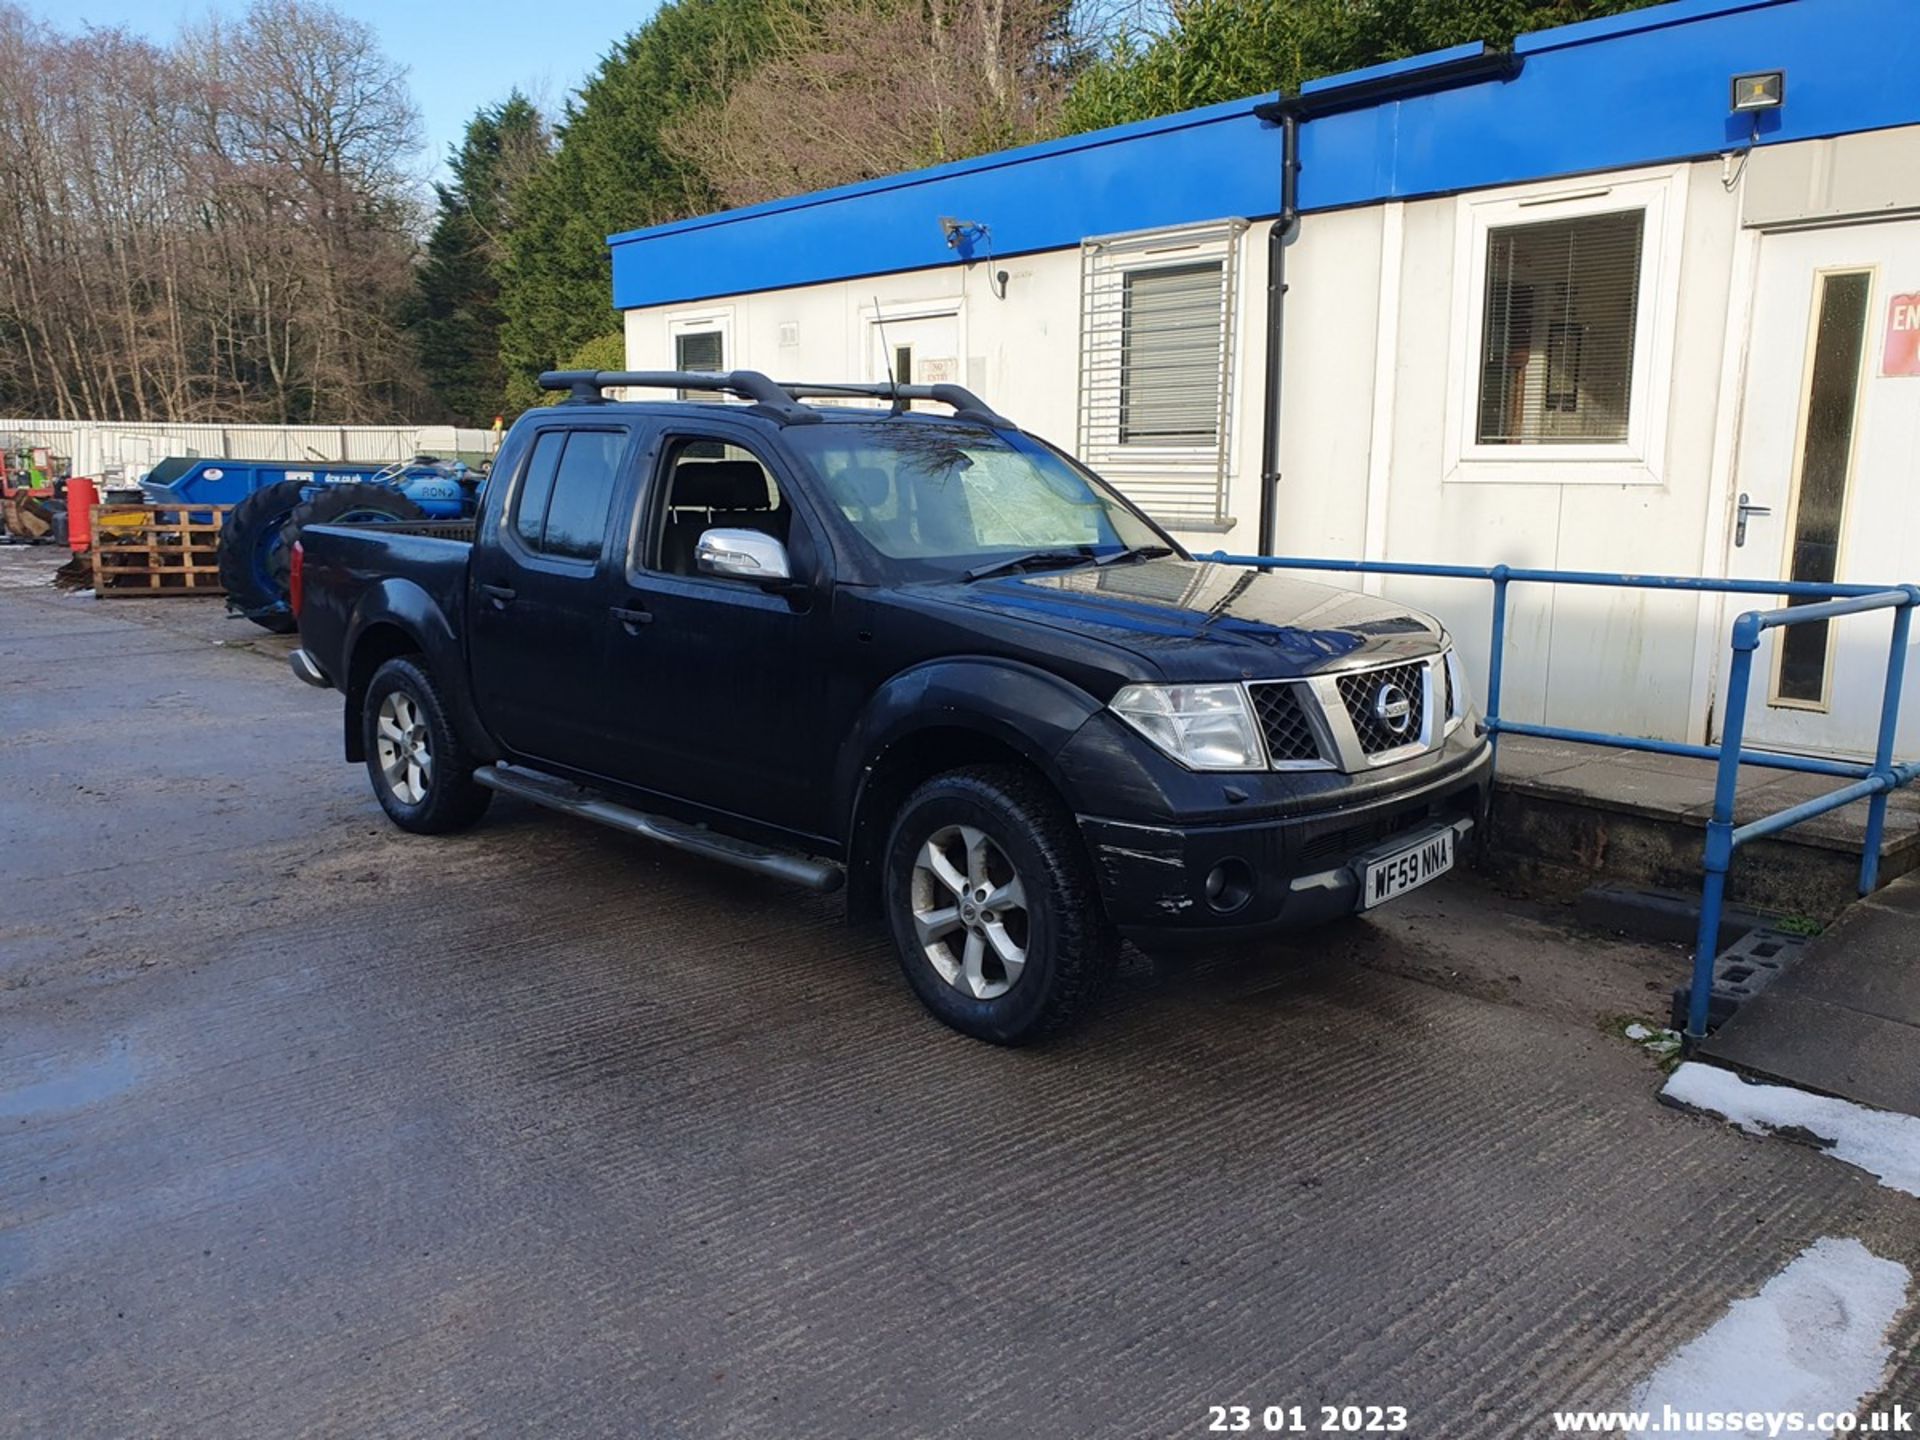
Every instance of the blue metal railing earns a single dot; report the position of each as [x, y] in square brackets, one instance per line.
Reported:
[1823, 602]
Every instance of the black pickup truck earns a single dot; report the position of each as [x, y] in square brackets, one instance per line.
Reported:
[833, 638]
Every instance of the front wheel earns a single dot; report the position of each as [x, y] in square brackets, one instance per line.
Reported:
[993, 906]
[421, 773]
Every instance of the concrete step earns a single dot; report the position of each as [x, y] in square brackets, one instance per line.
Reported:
[1566, 816]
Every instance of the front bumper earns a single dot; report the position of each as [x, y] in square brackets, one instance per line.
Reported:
[1300, 870]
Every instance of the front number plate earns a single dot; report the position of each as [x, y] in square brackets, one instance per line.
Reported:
[1406, 870]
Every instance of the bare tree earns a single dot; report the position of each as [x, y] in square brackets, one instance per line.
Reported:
[221, 229]
[862, 88]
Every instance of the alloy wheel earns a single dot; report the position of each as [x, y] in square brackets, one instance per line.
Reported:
[404, 748]
[970, 912]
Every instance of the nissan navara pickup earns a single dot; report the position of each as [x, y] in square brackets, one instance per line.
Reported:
[827, 634]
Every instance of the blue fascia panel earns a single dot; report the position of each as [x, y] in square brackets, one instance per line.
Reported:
[998, 160]
[1199, 172]
[1645, 88]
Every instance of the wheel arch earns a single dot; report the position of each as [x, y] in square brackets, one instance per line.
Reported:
[941, 717]
[397, 617]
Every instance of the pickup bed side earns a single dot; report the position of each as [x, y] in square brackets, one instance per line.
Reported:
[374, 592]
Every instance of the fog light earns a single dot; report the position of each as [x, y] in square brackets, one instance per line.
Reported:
[1229, 885]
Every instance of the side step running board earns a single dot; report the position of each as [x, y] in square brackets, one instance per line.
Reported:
[573, 799]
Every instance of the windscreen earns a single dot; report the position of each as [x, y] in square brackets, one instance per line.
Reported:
[945, 498]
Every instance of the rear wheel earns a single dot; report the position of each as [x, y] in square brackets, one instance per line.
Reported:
[421, 773]
[993, 906]
[254, 555]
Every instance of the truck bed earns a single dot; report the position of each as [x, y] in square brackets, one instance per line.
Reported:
[462, 530]
[419, 567]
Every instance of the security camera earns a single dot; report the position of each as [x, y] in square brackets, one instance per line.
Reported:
[957, 230]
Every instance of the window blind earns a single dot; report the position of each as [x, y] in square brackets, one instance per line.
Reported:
[699, 352]
[1156, 366]
[1170, 377]
[1556, 358]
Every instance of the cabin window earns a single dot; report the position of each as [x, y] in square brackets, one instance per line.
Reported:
[1156, 368]
[1557, 336]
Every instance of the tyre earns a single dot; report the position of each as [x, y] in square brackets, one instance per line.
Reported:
[421, 772]
[253, 559]
[350, 505]
[993, 906]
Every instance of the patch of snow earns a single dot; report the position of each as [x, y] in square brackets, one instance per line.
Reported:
[1813, 1339]
[1637, 1031]
[1880, 1142]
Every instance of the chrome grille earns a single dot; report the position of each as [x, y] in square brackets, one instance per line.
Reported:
[1360, 693]
[1283, 720]
[1446, 668]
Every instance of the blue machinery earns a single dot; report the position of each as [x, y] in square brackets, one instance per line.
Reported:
[1821, 602]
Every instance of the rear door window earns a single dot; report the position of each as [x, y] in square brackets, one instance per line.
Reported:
[567, 492]
[536, 486]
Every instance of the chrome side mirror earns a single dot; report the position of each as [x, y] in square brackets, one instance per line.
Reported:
[742, 555]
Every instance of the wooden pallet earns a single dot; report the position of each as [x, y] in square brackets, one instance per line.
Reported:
[148, 550]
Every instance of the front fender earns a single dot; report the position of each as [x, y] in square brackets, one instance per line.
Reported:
[396, 603]
[1016, 706]
[1026, 709]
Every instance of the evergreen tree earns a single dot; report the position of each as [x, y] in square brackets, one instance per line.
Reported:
[1218, 50]
[456, 314]
[611, 172]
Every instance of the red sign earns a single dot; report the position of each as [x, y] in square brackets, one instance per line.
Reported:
[1902, 354]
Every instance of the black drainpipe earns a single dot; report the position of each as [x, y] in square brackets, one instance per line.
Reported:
[1279, 236]
[1288, 111]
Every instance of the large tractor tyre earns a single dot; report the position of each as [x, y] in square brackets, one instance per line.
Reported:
[350, 505]
[994, 907]
[254, 559]
[422, 774]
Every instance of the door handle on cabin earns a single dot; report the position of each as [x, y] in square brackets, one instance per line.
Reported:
[1747, 508]
[632, 619]
[500, 595]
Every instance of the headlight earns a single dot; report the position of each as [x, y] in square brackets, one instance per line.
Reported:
[1204, 727]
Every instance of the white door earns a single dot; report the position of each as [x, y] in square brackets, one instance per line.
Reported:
[1829, 471]
[918, 348]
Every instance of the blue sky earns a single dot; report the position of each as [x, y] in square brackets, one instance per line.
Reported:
[459, 57]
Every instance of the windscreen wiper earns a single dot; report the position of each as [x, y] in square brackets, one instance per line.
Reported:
[1034, 560]
[1136, 552]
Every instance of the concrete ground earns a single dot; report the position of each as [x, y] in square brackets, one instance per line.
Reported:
[308, 1127]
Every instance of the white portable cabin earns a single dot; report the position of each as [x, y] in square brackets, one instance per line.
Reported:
[1642, 296]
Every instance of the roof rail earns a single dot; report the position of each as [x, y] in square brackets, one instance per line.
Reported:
[966, 405]
[586, 386]
[779, 399]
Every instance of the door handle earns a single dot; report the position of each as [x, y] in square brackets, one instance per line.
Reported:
[632, 619]
[500, 595]
[1746, 510]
